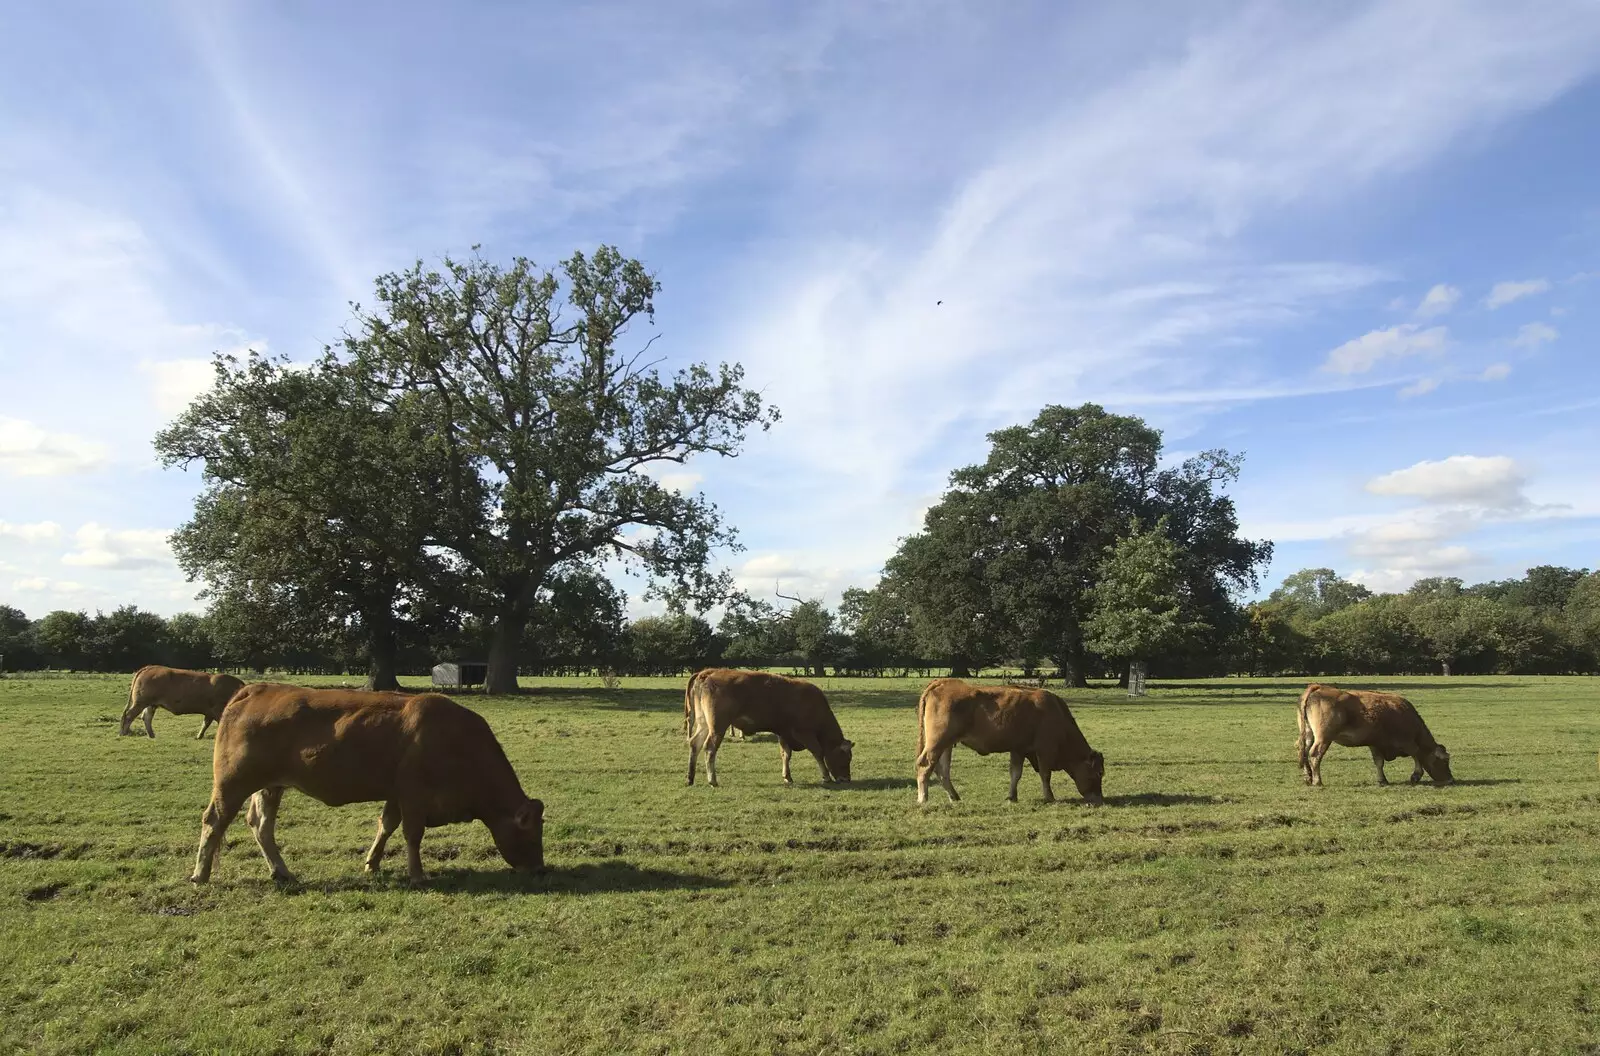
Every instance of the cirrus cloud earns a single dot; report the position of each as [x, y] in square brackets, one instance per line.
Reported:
[1506, 292]
[26, 450]
[1361, 354]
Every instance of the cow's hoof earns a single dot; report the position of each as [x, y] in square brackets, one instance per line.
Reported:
[196, 878]
[282, 876]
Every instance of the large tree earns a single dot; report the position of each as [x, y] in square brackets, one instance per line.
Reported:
[319, 494]
[551, 427]
[1009, 555]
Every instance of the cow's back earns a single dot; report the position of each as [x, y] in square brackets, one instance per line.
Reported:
[338, 746]
[991, 718]
[184, 692]
[760, 701]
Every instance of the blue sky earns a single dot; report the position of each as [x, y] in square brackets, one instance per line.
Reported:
[1359, 243]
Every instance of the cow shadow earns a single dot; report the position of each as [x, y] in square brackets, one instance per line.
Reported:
[1471, 782]
[584, 878]
[868, 784]
[1161, 799]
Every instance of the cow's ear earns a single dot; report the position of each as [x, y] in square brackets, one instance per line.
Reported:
[530, 813]
[849, 744]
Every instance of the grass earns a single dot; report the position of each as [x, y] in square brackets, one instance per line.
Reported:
[1215, 905]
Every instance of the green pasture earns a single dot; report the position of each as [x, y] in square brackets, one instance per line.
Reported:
[1214, 905]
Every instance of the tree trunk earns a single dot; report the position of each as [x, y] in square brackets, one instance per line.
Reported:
[381, 652]
[503, 653]
[1072, 666]
[959, 668]
[1444, 667]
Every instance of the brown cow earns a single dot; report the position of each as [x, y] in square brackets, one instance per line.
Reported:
[1031, 724]
[1384, 722]
[427, 758]
[180, 692]
[755, 702]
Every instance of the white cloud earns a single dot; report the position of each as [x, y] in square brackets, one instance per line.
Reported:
[29, 451]
[1494, 482]
[1495, 372]
[1438, 301]
[105, 548]
[44, 585]
[30, 533]
[175, 382]
[1506, 292]
[796, 576]
[1532, 335]
[1361, 354]
[1420, 387]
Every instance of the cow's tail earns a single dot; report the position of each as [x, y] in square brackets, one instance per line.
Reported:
[688, 706]
[1305, 725]
[128, 712]
[922, 733]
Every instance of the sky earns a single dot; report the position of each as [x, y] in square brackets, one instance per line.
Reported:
[1358, 243]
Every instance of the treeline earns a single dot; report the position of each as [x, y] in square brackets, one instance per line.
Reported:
[1314, 624]
[1546, 623]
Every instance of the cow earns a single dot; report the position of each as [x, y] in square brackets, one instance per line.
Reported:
[429, 760]
[754, 702]
[1032, 724]
[180, 692]
[1386, 723]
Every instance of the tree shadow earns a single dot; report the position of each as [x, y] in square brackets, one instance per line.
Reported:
[1160, 799]
[587, 878]
[1298, 685]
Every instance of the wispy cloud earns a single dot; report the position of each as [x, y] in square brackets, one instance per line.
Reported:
[1495, 372]
[1439, 300]
[1532, 335]
[1420, 387]
[30, 533]
[1506, 292]
[1361, 354]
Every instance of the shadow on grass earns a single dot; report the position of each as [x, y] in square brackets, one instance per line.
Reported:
[1472, 782]
[868, 784]
[1296, 686]
[589, 878]
[1160, 799]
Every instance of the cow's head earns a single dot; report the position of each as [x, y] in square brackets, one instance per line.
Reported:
[1087, 773]
[520, 837]
[1437, 762]
[838, 760]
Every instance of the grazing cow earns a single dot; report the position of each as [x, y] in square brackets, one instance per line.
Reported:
[756, 702]
[1032, 724]
[1384, 722]
[429, 760]
[180, 692]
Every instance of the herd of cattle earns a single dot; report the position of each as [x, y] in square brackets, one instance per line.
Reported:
[431, 761]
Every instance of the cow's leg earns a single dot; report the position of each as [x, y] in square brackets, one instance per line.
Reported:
[388, 821]
[412, 824]
[924, 765]
[263, 818]
[213, 827]
[1016, 774]
[1318, 750]
[694, 753]
[1416, 767]
[149, 728]
[787, 753]
[1044, 782]
[1377, 761]
[944, 774]
[205, 725]
[713, 742]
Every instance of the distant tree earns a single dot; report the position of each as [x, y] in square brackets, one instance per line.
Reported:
[1435, 587]
[879, 625]
[17, 643]
[1373, 636]
[1313, 593]
[1138, 609]
[1547, 586]
[670, 645]
[813, 635]
[753, 632]
[1006, 559]
[1459, 631]
[550, 427]
[1271, 642]
[126, 639]
[189, 642]
[258, 626]
[64, 639]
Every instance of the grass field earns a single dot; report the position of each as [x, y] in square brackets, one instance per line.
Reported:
[1214, 905]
